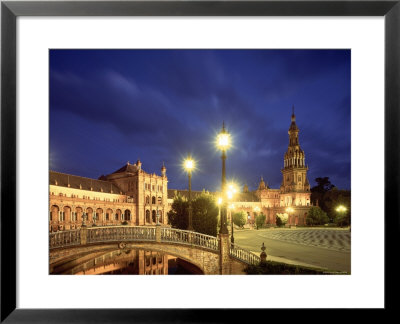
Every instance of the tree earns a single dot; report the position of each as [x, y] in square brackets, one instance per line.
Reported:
[316, 216]
[239, 218]
[278, 221]
[178, 216]
[205, 214]
[260, 220]
[318, 192]
[281, 219]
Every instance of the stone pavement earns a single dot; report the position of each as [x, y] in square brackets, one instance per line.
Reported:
[329, 238]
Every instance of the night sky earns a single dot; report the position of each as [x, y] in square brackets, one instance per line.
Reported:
[108, 107]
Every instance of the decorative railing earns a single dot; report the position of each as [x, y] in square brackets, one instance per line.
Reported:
[244, 255]
[173, 235]
[104, 234]
[120, 233]
[67, 238]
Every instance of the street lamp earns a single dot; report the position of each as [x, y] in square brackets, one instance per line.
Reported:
[219, 202]
[341, 210]
[189, 165]
[232, 189]
[223, 144]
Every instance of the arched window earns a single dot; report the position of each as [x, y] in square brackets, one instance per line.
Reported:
[147, 216]
[160, 213]
[153, 200]
[153, 214]
[147, 200]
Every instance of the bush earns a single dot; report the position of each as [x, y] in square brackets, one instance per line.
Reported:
[316, 216]
[260, 220]
[239, 218]
[278, 221]
[271, 267]
[281, 219]
[204, 214]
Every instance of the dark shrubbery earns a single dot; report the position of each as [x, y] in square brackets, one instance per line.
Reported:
[239, 218]
[271, 267]
[204, 214]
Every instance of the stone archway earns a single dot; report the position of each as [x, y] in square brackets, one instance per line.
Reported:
[117, 216]
[99, 216]
[66, 216]
[109, 215]
[89, 215]
[127, 215]
[147, 217]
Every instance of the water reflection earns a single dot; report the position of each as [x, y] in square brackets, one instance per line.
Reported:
[126, 262]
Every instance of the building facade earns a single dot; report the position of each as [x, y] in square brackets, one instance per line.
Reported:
[127, 196]
[134, 197]
[294, 191]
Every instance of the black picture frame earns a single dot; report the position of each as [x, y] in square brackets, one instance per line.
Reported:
[10, 10]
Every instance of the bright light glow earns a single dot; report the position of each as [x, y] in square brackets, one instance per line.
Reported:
[231, 206]
[290, 210]
[223, 141]
[188, 164]
[231, 190]
[341, 209]
[219, 201]
[257, 209]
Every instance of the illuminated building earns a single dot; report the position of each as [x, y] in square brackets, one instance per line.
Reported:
[127, 196]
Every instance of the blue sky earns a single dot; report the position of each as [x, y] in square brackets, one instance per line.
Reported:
[108, 107]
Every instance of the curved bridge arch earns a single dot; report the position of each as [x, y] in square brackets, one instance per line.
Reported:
[210, 254]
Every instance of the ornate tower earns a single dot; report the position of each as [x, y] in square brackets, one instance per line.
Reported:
[295, 188]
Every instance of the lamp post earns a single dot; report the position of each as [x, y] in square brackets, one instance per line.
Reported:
[231, 191]
[223, 143]
[189, 165]
[219, 202]
[341, 210]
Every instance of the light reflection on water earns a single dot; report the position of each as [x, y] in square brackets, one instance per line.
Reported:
[127, 262]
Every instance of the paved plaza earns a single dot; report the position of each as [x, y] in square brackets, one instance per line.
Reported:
[327, 248]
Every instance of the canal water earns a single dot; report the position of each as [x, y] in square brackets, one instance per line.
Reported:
[127, 262]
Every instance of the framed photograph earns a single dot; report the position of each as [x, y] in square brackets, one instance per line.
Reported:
[116, 118]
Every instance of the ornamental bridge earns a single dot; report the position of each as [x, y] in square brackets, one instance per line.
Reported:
[212, 255]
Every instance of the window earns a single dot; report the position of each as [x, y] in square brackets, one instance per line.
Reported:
[107, 216]
[116, 216]
[159, 200]
[153, 200]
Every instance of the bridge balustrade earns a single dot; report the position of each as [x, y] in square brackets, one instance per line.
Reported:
[186, 237]
[120, 233]
[244, 255]
[143, 233]
[67, 238]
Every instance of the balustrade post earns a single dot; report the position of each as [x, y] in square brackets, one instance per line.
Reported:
[224, 251]
[83, 234]
[158, 233]
[263, 255]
